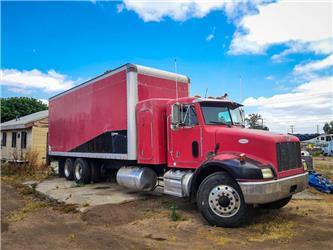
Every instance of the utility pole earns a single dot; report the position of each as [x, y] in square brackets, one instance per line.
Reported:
[292, 129]
[317, 129]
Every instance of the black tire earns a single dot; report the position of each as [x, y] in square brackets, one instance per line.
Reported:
[82, 171]
[69, 169]
[229, 209]
[95, 171]
[61, 164]
[277, 204]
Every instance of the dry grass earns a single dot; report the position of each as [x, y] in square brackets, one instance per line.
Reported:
[30, 206]
[324, 166]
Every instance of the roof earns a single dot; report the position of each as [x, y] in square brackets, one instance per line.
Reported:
[131, 67]
[24, 121]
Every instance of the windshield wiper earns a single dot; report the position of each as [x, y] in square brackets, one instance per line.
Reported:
[219, 122]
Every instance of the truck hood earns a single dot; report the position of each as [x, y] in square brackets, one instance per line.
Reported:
[257, 144]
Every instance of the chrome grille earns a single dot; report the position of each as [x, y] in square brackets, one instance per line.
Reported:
[288, 155]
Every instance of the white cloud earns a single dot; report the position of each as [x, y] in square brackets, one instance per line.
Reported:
[314, 66]
[28, 80]
[210, 37]
[181, 10]
[45, 101]
[269, 78]
[301, 25]
[120, 7]
[305, 106]
[20, 91]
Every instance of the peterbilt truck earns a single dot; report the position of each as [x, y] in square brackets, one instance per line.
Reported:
[143, 123]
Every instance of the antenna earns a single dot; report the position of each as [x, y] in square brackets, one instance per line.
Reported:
[206, 92]
[176, 79]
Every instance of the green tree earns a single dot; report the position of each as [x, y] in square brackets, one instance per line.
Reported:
[328, 128]
[255, 121]
[19, 106]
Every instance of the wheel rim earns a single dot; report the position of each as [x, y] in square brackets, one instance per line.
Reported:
[66, 170]
[224, 201]
[78, 172]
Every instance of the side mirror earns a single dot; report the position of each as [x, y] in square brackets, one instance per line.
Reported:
[175, 114]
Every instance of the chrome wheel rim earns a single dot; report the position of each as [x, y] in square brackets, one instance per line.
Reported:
[78, 172]
[224, 201]
[66, 170]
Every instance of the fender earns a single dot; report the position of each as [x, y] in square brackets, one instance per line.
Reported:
[240, 170]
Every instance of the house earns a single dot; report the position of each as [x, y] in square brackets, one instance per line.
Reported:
[25, 138]
[321, 140]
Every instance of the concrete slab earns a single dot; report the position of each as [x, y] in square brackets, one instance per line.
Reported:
[306, 195]
[85, 196]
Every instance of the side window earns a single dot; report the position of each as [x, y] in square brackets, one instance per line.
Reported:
[4, 139]
[328, 138]
[23, 139]
[188, 116]
[14, 134]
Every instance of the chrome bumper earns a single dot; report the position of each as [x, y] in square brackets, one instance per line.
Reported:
[269, 191]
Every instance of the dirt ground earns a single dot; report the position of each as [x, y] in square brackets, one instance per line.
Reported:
[30, 222]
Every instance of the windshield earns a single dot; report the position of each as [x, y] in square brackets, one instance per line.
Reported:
[221, 113]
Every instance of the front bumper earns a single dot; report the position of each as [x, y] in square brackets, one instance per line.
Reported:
[269, 191]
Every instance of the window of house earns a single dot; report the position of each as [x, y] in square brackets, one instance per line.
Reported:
[23, 139]
[14, 135]
[4, 139]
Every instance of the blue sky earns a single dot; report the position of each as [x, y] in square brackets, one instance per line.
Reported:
[48, 47]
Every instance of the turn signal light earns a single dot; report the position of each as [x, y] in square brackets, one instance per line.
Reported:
[242, 157]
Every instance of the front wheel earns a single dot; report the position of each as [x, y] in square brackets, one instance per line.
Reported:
[221, 202]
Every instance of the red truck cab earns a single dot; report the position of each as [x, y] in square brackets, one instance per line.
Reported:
[206, 139]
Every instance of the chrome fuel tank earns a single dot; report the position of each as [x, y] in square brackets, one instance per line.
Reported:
[137, 178]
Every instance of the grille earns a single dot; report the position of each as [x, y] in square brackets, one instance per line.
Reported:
[288, 155]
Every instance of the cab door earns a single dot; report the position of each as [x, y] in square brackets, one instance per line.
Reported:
[185, 149]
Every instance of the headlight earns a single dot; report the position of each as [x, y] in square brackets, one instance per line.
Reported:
[267, 173]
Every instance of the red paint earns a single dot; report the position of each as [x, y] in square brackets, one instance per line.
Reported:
[152, 131]
[84, 113]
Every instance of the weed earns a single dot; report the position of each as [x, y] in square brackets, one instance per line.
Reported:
[71, 237]
[76, 185]
[30, 206]
[174, 215]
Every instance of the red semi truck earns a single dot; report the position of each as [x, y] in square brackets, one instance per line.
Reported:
[142, 122]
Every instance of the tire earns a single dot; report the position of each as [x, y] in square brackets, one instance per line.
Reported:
[69, 169]
[276, 204]
[61, 165]
[221, 202]
[95, 171]
[82, 171]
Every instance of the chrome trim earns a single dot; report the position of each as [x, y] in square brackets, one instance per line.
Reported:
[132, 100]
[273, 190]
[90, 155]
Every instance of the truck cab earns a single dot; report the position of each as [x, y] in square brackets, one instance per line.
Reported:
[214, 160]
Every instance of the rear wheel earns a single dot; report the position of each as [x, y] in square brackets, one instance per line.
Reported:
[220, 201]
[277, 204]
[69, 169]
[82, 172]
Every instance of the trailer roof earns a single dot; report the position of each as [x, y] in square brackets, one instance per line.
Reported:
[135, 67]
